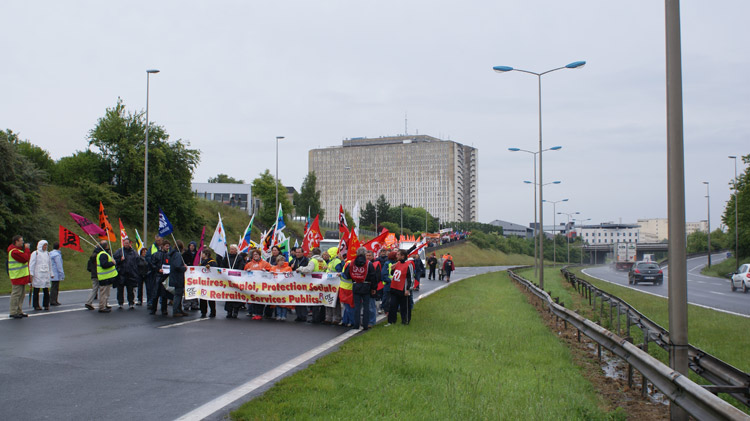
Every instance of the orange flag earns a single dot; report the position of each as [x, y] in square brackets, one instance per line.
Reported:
[105, 225]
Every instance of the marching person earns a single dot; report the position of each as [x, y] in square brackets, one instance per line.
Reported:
[91, 268]
[106, 273]
[177, 269]
[58, 274]
[299, 260]
[19, 255]
[143, 271]
[370, 256]
[189, 257]
[432, 264]
[316, 264]
[257, 263]
[333, 314]
[207, 261]
[448, 267]
[282, 266]
[160, 260]
[401, 286]
[41, 274]
[362, 274]
[153, 258]
[126, 260]
[233, 260]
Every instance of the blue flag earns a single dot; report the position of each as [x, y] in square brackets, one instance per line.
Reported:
[165, 227]
[280, 220]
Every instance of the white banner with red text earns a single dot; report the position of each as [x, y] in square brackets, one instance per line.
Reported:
[259, 287]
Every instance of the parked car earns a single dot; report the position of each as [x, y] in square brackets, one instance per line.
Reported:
[645, 272]
[741, 279]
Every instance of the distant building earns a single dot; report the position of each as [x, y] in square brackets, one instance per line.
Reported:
[509, 228]
[656, 230]
[418, 170]
[235, 195]
[607, 233]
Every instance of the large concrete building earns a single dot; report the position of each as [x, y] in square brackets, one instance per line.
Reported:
[418, 170]
[655, 230]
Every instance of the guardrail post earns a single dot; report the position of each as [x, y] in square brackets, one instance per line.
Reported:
[627, 321]
[630, 366]
[619, 331]
[611, 324]
[579, 335]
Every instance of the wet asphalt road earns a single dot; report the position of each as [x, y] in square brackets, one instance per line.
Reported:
[703, 290]
[71, 363]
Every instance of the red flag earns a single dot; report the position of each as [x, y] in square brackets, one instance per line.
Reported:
[343, 228]
[344, 242]
[69, 239]
[105, 225]
[87, 226]
[376, 243]
[123, 234]
[353, 245]
[197, 260]
[312, 236]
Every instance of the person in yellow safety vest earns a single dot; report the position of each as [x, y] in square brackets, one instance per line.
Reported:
[19, 255]
[106, 272]
[333, 314]
[316, 264]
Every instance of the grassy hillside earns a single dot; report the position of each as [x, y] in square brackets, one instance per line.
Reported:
[468, 254]
[58, 201]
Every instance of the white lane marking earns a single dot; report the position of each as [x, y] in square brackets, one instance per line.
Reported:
[747, 316]
[220, 402]
[182, 323]
[719, 293]
[47, 313]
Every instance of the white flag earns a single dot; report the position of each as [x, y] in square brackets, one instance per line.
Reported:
[355, 216]
[219, 241]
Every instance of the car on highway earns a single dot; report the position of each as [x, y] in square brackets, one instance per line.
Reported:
[645, 272]
[741, 279]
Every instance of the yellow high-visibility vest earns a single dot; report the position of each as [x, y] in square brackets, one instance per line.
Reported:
[102, 273]
[16, 269]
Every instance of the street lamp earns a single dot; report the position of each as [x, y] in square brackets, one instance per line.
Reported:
[145, 163]
[276, 209]
[503, 69]
[736, 220]
[708, 221]
[567, 241]
[582, 242]
[533, 159]
[554, 228]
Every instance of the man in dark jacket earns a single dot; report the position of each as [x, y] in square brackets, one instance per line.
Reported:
[160, 260]
[177, 269]
[362, 274]
[106, 273]
[153, 258]
[432, 264]
[233, 260]
[299, 260]
[126, 260]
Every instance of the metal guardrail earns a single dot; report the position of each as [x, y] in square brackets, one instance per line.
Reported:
[697, 400]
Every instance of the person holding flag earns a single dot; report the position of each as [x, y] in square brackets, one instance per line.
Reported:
[362, 274]
[127, 260]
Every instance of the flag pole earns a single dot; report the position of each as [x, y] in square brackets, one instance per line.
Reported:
[110, 245]
[242, 236]
[87, 241]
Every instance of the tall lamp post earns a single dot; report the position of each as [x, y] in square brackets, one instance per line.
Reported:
[554, 229]
[567, 240]
[536, 228]
[503, 69]
[708, 221]
[145, 163]
[276, 209]
[736, 220]
[539, 230]
[582, 241]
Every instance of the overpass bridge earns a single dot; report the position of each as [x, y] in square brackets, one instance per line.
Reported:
[598, 252]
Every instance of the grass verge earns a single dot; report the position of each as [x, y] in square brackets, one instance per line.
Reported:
[468, 254]
[723, 268]
[477, 350]
[712, 331]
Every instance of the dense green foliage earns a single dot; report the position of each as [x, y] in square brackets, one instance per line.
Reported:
[697, 242]
[388, 216]
[223, 178]
[264, 188]
[742, 188]
[20, 180]
[120, 140]
[307, 200]
[474, 227]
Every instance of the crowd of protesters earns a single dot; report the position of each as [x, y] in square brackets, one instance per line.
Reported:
[370, 285]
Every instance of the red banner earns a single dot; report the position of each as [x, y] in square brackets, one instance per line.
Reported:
[69, 239]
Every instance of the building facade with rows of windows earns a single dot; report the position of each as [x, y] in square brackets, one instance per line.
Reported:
[608, 233]
[418, 170]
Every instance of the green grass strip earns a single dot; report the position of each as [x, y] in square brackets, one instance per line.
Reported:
[476, 350]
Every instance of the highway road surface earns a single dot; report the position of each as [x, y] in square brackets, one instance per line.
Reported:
[71, 363]
[706, 291]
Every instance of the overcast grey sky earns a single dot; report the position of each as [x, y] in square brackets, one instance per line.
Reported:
[236, 74]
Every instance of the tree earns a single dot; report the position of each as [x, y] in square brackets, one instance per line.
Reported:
[383, 208]
[308, 198]
[120, 139]
[367, 217]
[35, 154]
[265, 190]
[740, 195]
[20, 180]
[223, 178]
[85, 165]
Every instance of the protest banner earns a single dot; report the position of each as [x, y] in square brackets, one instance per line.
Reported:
[258, 287]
